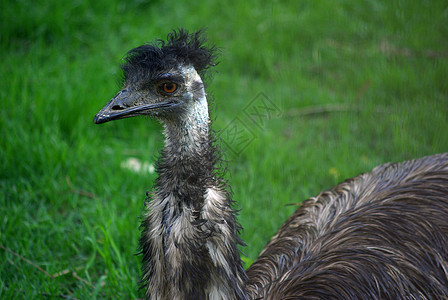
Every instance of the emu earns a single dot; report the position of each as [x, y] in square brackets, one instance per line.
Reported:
[380, 235]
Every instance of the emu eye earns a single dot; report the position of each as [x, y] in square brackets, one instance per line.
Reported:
[169, 87]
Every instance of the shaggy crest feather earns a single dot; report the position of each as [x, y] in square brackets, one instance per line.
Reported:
[180, 48]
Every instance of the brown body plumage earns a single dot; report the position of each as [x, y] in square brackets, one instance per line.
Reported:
[381, 235]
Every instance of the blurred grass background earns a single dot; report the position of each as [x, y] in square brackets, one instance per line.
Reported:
[356, 84]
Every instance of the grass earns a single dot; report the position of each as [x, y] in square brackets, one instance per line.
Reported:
[374, 73]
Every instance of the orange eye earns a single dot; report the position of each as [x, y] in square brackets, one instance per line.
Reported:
[169, 87]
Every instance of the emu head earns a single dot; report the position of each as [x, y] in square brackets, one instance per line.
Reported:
[162, 79]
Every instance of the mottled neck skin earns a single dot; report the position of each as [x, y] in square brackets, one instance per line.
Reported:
[189, 238]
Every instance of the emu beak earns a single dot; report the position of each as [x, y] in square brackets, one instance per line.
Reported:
[127, 104]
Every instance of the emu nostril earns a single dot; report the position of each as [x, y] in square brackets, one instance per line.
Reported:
[117, 107]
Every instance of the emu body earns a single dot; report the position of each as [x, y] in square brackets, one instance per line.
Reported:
[381, 235]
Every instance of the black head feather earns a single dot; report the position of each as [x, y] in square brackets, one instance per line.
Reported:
[180, 48]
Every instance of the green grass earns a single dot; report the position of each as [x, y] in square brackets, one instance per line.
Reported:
[70, 208]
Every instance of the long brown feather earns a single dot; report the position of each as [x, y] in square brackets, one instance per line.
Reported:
[381, 235]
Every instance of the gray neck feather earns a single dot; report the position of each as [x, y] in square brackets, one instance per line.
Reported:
[189, 239]
[188, 136]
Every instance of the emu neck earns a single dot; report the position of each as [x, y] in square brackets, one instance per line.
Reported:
[187, 162]
[188, 135]
[189, 241]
